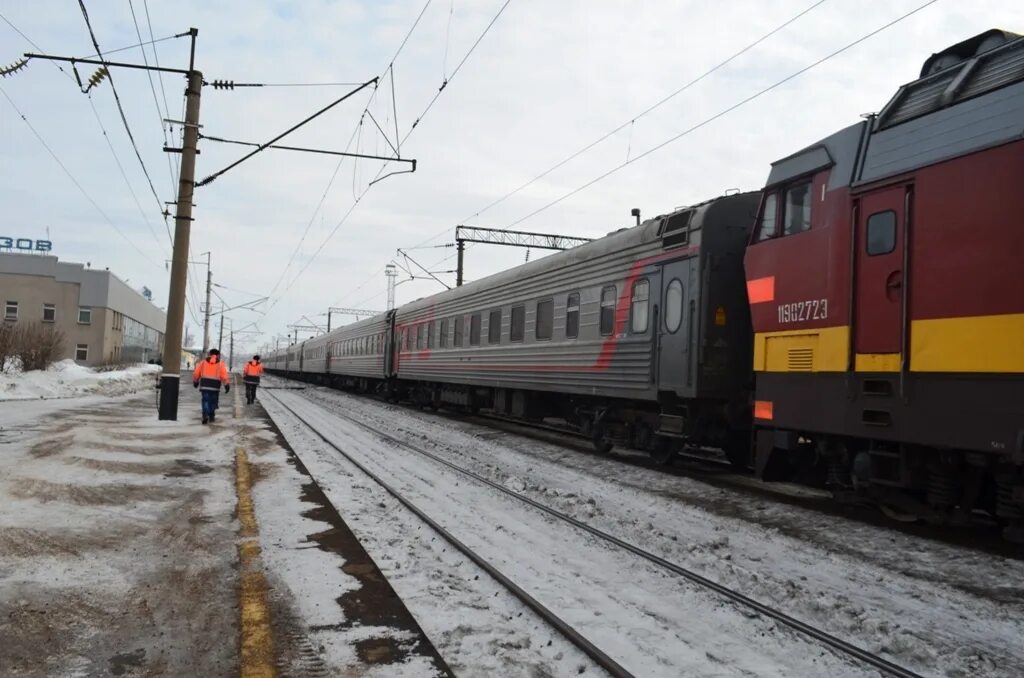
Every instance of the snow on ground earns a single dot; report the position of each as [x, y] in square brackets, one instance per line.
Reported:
[653, 623]
[116, 542]
[67, 379]
[936, 608]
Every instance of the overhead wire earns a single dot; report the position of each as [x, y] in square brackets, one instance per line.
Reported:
[71, 176]
[347, 214]
[106, 137]
[723, 112]
[124, 119]
[337, 167]
[631, 122]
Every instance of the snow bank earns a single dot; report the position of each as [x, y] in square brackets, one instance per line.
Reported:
[67, 379]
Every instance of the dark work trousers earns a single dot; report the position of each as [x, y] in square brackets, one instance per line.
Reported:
[250, 389]
[211, 400]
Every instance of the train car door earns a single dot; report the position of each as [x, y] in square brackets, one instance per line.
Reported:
[676, 330]
[879, 278]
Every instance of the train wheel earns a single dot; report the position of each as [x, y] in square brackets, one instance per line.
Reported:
[599, 435]
[664, 451]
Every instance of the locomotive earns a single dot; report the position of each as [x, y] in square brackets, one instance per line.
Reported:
[859, 322]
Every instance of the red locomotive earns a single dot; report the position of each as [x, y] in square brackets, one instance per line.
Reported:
[886, 283]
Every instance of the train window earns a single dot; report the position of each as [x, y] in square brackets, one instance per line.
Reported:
[572, 316]
[639, 306]
[608, 309]
[420, 331]
[674, 305]
[881, 236]
[543, 328]
[408, 338]
[474, 329]
[517, 324]
[459, 323]
[430, 334]
[769, 225]
[797, 217]
[494, 326]
[442, 338]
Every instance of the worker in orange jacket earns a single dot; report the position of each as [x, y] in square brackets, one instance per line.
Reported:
[208, 377]
[251, 374]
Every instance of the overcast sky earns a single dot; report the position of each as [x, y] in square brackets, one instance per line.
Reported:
[548, 78]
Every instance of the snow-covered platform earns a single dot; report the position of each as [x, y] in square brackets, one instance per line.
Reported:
[131, 546]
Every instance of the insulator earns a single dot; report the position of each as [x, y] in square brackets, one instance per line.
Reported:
[13, 68]
[223, 84]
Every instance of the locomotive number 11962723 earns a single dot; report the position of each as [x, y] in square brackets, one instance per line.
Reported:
[802, 311]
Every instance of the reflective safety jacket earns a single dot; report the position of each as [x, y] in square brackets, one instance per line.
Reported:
[252, 372]
[210, 374]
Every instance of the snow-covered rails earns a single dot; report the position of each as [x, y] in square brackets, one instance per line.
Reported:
[837, 644]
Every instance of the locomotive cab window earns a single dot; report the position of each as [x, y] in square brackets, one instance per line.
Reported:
[797, 216]
[474, 329]
[494, 327]
[459, 325]
[572, 316]
[517, 328]
[768, 228]
[881, 233]
[608, 309]
[543, 329]
[639, 307]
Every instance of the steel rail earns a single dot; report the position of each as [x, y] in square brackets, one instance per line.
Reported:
[556, 622]
[842, 646]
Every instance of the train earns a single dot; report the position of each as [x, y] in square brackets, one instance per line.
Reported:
[856, 323]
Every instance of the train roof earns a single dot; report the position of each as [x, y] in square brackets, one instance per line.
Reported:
[659, 228]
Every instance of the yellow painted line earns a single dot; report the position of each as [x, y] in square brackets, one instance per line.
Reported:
[257, 643]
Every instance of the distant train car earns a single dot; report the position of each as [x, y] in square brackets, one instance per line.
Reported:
[885, 283]
[642, 336]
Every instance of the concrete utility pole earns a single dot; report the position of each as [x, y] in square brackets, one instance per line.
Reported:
[169, 380]
[206, 319]
[220, 338]
[231, 351]
[391, 272]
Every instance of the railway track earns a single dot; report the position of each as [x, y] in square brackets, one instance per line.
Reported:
[837, 644]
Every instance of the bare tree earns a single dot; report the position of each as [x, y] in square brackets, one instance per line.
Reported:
[7, 343]
[37, 345]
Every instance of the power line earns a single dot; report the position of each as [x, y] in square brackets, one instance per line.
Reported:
[647, 110]
[347, 214]
[151, 41]
[721, 113]
[124, 119]
[72, 177]
[161, 115]
[337, 167]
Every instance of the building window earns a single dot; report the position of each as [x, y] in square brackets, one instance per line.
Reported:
[768, 228]
[474, 329]
[881, 233]
[494, 327]
[608, 309]
[572, 316]
[84, 315]
[49, 313]
[459, 333]
[542, 329]
[517, 326]
[674, 306]
[442, 339]
[81, 351]
[11, 310]
[797, 218]
[639, 307]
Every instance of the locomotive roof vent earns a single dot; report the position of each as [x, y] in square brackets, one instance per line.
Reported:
[986, 62]
[675, 230]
